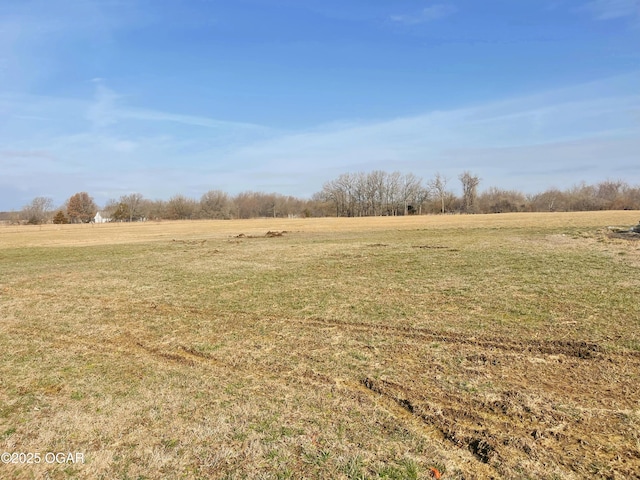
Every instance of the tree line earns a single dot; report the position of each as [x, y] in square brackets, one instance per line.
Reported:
[375, 193]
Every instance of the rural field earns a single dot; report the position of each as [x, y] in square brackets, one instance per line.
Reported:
[481, 346]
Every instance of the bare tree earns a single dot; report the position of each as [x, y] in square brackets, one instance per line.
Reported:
[422, 196]
[38, 211]
[340, 193]
[392, 193]
[289, 206]
[497, 200]
[157, 209]
[629, 198]
[180, 207]
[133, 201]
[609, 191]
[438, 186]
[120, 213]
[469, 191]
[320, 205]
[551, 200]
[374, 193]
[374, 187]
[411, 192]
[109, 208]
[215, 204]
[359, 194]
[582, 197]
[254, 204]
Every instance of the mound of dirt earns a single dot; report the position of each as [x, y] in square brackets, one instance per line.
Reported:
[191, 242]
[632, 233]
[271, 234]
[628, 235]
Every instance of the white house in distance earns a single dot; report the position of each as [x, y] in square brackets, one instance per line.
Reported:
[100, 219]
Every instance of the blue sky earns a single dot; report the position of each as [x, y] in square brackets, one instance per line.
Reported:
[183, 96]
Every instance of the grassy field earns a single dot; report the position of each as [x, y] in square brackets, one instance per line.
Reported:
[500, 346]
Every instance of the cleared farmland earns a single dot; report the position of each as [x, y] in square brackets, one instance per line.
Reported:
[488, 346]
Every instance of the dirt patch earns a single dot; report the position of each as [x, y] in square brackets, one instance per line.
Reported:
[515, 428]
[174, 357]
[436, 247]
[190, 242]
[450, 420]
[269, 234]
[625, 235]
[632, 233]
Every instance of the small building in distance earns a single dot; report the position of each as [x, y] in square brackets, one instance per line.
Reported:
[100, 219]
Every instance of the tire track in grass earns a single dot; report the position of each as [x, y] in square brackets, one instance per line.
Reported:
[508, 430]
[573, 348]
[495, 434]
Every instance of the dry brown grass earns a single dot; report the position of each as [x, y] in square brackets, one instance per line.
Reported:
[122, 233]
[485, 346]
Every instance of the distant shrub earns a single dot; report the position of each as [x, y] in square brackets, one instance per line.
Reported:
[60, 218]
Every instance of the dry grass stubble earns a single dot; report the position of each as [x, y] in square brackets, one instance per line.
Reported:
[488, 346]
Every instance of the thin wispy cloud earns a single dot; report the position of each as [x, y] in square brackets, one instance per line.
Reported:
[510, 143]
[108, 108]
[103, 111]
[613, 9]
[545, 130]
[151, 115]
[428, 14]
[24, 154]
